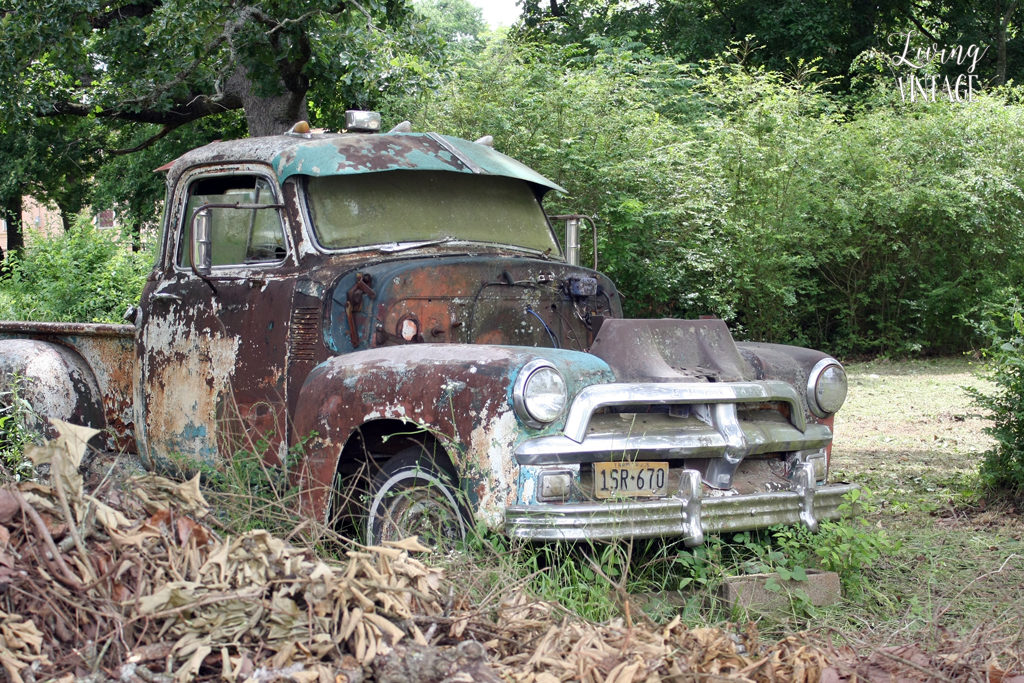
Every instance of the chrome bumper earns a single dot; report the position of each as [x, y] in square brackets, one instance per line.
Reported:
[687, 514]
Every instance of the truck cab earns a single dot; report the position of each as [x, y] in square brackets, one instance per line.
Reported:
[391, 318]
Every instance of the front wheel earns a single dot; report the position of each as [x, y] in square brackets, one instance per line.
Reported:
[413, 496]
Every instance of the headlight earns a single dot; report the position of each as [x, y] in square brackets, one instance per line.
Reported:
[826, 387]
[539, 395]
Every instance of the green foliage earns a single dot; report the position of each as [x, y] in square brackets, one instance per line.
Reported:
[848, 547]
[84, 275]
[19, 427]
[1002, 471]
[730, 189]
[246, 493]
[666, 578]
[791, 30]
[459, 22]
[128, 183]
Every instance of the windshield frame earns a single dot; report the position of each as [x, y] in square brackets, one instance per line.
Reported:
[305, 203]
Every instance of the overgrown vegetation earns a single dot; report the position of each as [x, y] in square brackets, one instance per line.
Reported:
[83, 275]
[18, 429]
[1002, 471]
[661, 578]
[868, 226]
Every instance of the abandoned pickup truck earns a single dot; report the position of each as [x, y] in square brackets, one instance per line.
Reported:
[390, 317]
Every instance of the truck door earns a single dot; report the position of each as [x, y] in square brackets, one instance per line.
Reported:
[213, 344]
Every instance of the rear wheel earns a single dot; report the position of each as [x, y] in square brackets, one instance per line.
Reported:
[412, 495]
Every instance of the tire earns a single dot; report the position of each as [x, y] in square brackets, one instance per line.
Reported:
[413, 495]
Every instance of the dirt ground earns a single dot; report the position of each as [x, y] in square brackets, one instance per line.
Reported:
[955, 583]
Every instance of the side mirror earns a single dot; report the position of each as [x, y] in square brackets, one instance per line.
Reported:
[202, 251]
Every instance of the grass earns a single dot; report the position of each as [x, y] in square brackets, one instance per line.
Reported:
[910, 433]
[932, 561]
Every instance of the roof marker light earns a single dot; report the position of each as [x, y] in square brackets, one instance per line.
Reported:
[358, 121]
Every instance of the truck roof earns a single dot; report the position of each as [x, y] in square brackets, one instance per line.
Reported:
[330, 154]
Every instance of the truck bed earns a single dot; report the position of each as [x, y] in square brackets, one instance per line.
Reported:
[109, 350]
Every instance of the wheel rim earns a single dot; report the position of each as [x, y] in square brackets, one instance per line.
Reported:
[416, 503]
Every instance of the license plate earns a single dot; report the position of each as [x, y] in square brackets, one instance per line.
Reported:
[634, 479]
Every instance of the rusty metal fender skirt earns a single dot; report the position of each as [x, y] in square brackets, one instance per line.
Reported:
[54, 379]
[689, 514]
[460, 393]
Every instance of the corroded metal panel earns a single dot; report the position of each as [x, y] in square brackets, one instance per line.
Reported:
[459, 393]
[670, 350]
[479, 299]
[213, 348]
[213, 366]
[101, 356]
[334, 154]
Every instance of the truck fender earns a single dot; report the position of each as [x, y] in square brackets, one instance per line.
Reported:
[458, 394]
[792, 364]
[55, 380]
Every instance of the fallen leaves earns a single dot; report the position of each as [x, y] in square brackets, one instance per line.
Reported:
[164, 581]
[138, 588]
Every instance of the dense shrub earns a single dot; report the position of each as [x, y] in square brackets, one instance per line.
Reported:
[1002, 470]
[759, 197]
[85, 275]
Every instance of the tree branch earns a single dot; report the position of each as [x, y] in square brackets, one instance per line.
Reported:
[196, 108]
[920, 27]
[134, 10]
[1009, 14]
[146, 143]
[731, 20]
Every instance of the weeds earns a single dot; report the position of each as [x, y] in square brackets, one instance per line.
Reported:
[247, 494]
[658, 579]
[18, 429]
[1002, 470]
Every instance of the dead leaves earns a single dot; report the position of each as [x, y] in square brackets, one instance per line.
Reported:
[167, 583]
[575, 650]
[157, 595]
[20, 645]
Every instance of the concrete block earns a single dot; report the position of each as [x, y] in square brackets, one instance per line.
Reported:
[749, 592]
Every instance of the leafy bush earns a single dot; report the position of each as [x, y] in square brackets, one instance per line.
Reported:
[760, 197]
[84, 275]
[19, 427]
[1002, 470]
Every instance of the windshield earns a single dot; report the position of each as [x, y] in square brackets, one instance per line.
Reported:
[414, 206]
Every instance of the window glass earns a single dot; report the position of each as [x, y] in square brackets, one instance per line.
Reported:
[239, 232]
[410, 206]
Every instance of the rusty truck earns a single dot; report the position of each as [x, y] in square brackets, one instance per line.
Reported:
[391, 319]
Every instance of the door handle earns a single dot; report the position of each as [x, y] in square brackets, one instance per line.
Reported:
[166, 296]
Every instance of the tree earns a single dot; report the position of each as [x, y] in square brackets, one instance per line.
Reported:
[457, 21]
[90, 84]
[169, 62]
[833, 32]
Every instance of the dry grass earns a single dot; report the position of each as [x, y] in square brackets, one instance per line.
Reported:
[911, 434]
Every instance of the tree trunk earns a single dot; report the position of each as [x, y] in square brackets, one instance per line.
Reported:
[10, 211]
[65, 213]
[1004, 22]
[268, 114]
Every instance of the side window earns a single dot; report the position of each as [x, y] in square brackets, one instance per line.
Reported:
[244, 218]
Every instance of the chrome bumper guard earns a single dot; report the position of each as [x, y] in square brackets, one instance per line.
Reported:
[687, 514]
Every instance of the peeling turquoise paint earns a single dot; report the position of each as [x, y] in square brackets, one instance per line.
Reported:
[192, 443]
[356, 154]
[529, 482]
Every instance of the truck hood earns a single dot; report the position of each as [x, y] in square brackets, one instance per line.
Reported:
[469, 299]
